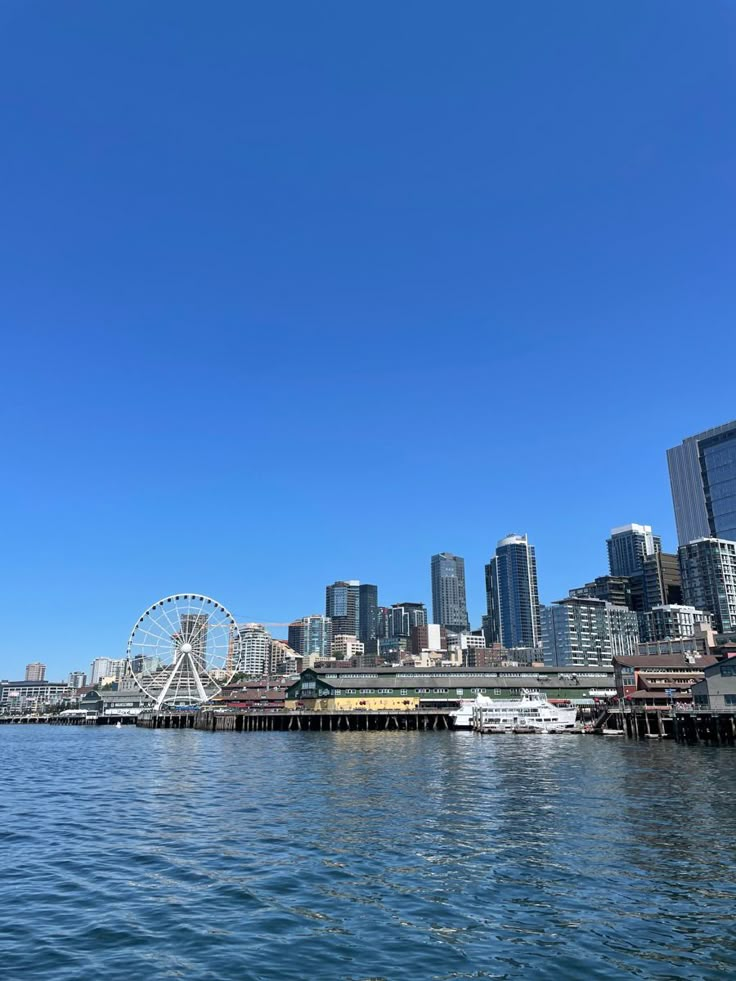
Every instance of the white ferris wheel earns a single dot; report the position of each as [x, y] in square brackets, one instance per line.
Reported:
[183, 649]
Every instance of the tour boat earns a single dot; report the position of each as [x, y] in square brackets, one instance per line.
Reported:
[531, 713]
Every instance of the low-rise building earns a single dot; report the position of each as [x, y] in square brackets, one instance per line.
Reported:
[717, 690]
[404, 688]
[658, 681]
[345, 646]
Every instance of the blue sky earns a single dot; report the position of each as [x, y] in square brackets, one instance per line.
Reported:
[301, 291]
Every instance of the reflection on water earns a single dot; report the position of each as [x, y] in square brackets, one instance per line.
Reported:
[163, 854]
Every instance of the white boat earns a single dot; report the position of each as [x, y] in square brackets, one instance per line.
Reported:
[463, 717]
[530, 713]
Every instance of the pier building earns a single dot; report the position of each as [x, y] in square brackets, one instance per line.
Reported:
[400, 688]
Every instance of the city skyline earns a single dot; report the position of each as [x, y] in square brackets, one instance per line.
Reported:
[255, 255]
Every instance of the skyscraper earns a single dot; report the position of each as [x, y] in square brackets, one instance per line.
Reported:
[628, 546]
[254, 654]
[709, 579]
[35, 671]
[368, 616]
[703, 481]
[342, 606]
[512, 594]
[311, 635]
[449, 604]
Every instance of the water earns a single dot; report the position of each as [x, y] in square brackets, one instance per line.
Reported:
[137, 854]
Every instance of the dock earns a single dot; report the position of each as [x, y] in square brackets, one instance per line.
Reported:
[296, 721]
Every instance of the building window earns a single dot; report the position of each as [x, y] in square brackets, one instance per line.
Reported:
[730, 699]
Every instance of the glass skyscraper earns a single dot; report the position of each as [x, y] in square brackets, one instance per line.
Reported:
[449, 604]
[512, 594]
[703, 480]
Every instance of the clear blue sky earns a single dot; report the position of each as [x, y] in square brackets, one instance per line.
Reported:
[299, 291]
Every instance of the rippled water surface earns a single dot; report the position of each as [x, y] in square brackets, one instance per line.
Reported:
[138, 854]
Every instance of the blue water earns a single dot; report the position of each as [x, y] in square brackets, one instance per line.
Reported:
[158, 854]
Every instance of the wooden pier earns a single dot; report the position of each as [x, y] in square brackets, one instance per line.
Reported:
[683, 725]
[305, 721]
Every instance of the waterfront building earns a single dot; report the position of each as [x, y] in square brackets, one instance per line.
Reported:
[27, 696]
[672, 620]
[410, 688]
[368, 616]
[428, 637]
[449, 603]
[703, 482]
[628, 546]
[345, 646]
[708, 567]
[35, 671]
[716, 692]
[253, 656]
[512, 595]
[582, 631]
[658, 681]
[77, 679]
[342, 606]
[311, 635]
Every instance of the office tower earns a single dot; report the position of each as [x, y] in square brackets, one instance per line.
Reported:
[703, 481]
[368, 616]
[708, 567]
[342, 606]
[254, 654]
[403, 617]
[77, 679]
[512, 595]
[311, 635]
[449, 604]
[35, 671]
[628, 546]
[587, 632]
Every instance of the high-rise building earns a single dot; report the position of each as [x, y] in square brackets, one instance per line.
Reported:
[342, 606]
[512, 595]
[628, 546]
[106, 668]
[661, 580]
[311, 635]
[703, 481]
[449, 603]
[587, 632]
[368, 616]
[77, 679]
[194, 629]
[35, 671]
[403, 617]
[708, 567]
[671, 621]
[254, 654]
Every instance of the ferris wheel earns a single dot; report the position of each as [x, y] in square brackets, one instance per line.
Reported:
[183, 649]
